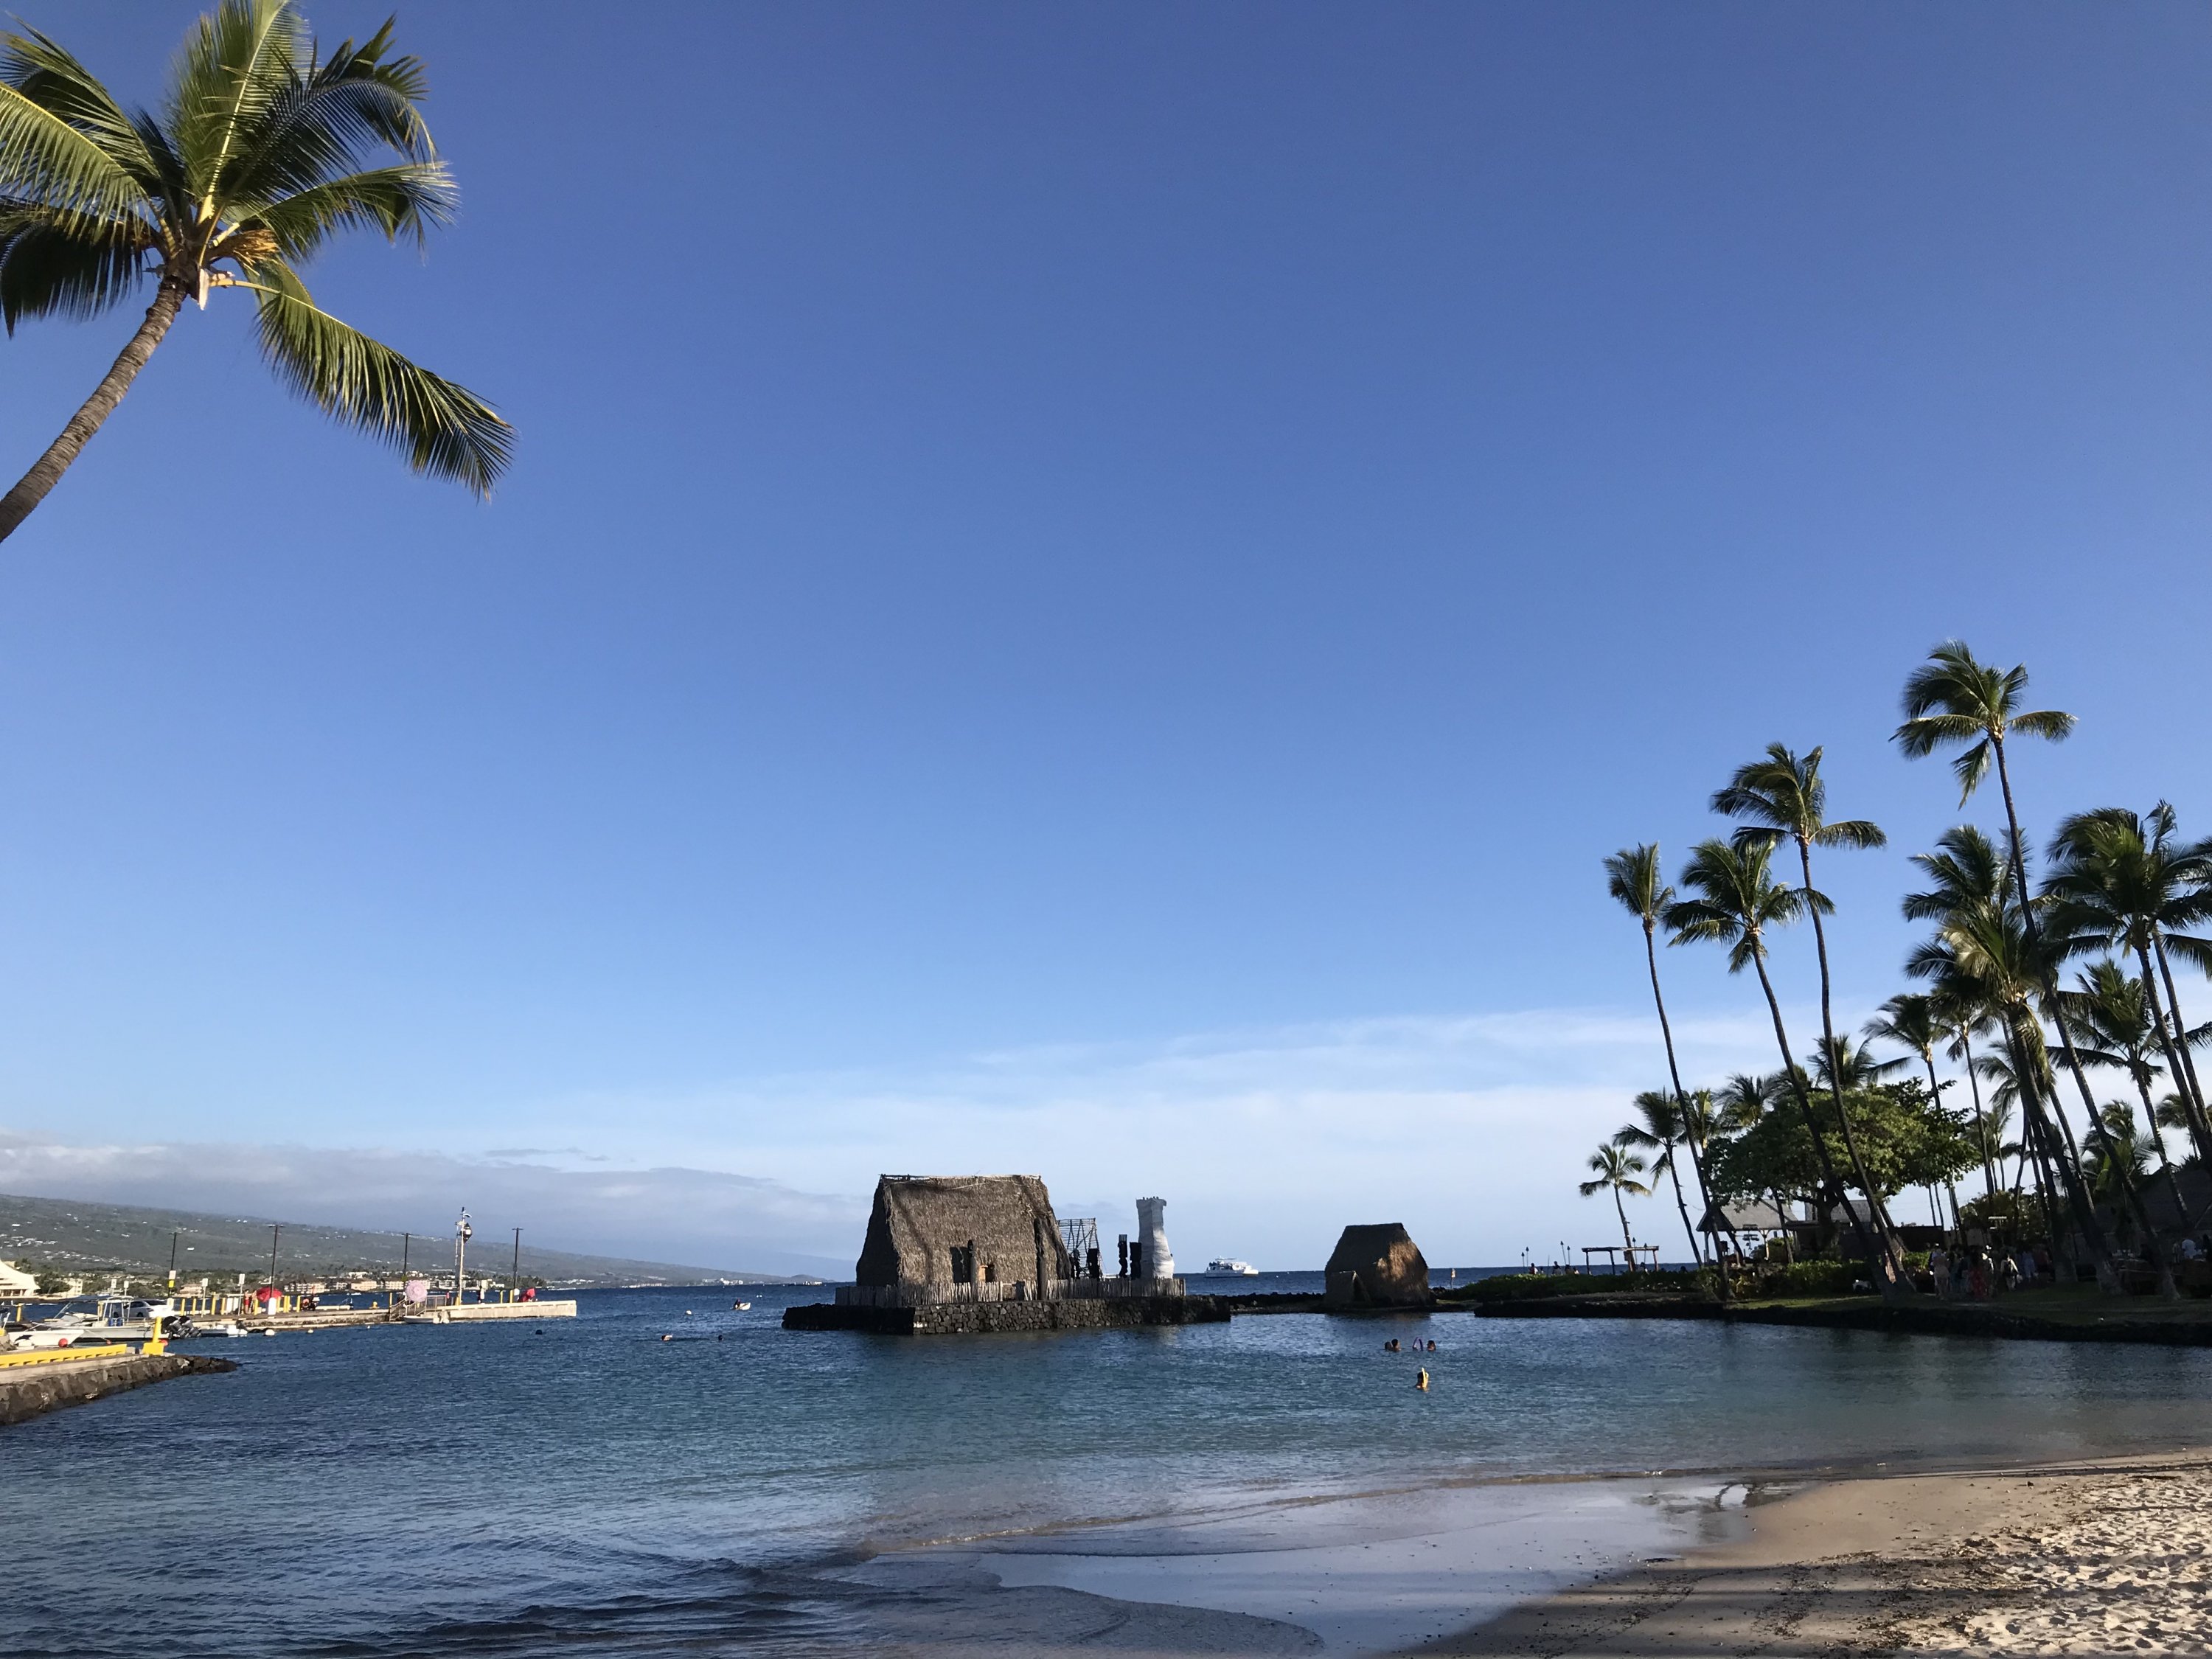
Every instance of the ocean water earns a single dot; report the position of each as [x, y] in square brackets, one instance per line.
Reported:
[585, 1488]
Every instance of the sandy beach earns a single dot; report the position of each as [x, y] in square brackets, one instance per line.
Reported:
[2112, 1558]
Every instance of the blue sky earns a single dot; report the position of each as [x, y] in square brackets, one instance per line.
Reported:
[1083, 590]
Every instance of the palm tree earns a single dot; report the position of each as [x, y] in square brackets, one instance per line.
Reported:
[1663, 1126]
[1989, 954]
[2116, 1014]
[1967, 869]
[1737, 901]
[2116, 881]
[1952, 699]
[1617, 1168]
[259, 156]
[1910, 1020]
[1784, 796]
[1631, 876]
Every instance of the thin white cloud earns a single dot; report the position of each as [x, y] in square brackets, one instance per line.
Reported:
[1471, 1129]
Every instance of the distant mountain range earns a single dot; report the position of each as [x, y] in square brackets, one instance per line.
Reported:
[72, 1235]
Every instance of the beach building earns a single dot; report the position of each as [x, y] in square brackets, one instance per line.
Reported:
[1377, 1265]
[970, 1253]
[933, 1234]
[17, 1285]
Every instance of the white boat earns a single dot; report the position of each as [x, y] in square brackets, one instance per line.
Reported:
[1223, 1264]
[105, 1319]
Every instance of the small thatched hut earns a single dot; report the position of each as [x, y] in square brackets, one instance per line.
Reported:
[1376, 1265]
[928, 1233]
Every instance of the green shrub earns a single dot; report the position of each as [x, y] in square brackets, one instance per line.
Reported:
[1535, 1287]
[1826, 1278]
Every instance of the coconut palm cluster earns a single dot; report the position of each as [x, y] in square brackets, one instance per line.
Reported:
[2039, 987]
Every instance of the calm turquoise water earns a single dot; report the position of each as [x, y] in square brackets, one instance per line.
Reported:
[594, 1490]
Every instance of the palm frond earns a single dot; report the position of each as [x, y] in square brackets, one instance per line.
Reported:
[446, 431]
[2049, 724]
[52, 78]
[46, 159]
[236, 66]
[56, 264]
[1632, 877]
[1924, 734]
[1860, 834]
[405, 200]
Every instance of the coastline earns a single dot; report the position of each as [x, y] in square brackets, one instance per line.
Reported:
[2104, 1556]
[2107, 1556]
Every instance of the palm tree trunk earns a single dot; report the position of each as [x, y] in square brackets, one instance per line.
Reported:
[2108, 1278]
[1682, 1204]
[1628, 1244]
[1981, 1122]
[2033, 1136]
[2191, 1092]
[1891, 1276]
[32, 488]
[2130, 1199]
[2066, 1158]
[2165, 1163]
[1873, 1258]
[1681, 1100]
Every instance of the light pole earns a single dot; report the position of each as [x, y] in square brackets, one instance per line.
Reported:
[173, 1257]
[462, 1232]
[514, 1276]
[276, 1228]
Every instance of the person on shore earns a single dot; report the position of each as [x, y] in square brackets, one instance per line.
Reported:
[1939, 1271]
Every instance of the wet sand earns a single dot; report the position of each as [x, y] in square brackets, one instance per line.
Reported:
[2113, 1557]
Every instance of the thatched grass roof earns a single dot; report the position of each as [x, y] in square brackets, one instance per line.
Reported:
[919, 1221]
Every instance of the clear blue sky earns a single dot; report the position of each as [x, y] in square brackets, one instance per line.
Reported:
[1080, 576]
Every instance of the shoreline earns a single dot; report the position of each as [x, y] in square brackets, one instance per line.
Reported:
[2100, 1556]
[1869, 1557]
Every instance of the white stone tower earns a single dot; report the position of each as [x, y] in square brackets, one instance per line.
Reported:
[1152, 1234]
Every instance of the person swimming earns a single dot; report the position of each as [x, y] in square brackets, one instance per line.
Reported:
[1421, 1380]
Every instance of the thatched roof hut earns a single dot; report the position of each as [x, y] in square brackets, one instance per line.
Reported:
[935, 1231]
[1376, 1265]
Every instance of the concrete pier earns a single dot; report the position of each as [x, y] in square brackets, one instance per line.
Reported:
[29, 1387]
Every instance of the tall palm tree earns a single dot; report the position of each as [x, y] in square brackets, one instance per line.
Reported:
[1989, 953]
[1737, 1106]
[1632, 877]
[1910, 1019]
[1784, 796]
[2116, 881]
[261, 153]
[1964, 869]
[1617, 1168]
[1952, 699]
[2116, 1014]
[1737, 900]
[1661, 1126]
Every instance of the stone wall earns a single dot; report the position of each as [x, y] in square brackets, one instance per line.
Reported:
[28, 1391]
[982, 1318]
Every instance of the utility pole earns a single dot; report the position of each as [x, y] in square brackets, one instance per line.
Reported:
[405, 1239]
[275, 1228]
[172, 1258]
[462, 1233]
[514, 1276]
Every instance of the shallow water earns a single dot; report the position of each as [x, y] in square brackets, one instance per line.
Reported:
[585, 1488]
